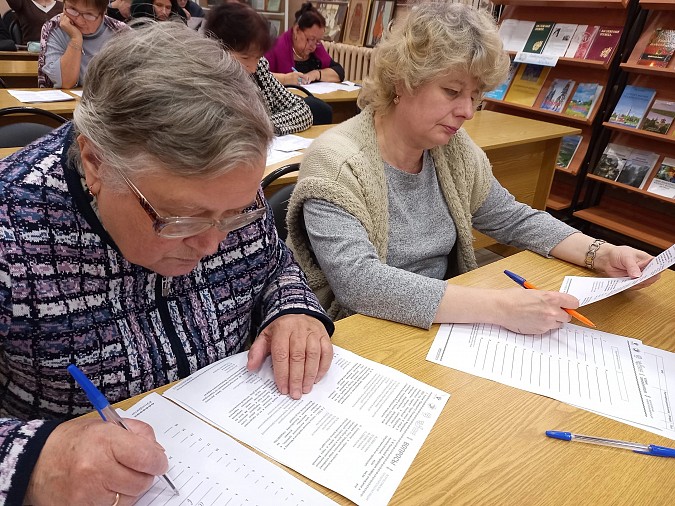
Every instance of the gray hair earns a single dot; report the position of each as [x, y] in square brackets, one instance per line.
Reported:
[163, 94]
[435, 39]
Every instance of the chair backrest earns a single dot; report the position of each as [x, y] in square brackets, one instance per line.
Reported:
[279, 200]
[15, 31]
[31, 123]
[7, 17]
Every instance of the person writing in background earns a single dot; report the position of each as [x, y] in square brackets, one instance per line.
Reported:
[159, 10]
[32, 14]
[191, 9]
[298, 56]
[71, 39]
[244, 33]
[385, 202]
[140, 249]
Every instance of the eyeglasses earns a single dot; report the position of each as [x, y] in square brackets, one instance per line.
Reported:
[310, 40]
[175, 227]
[85, 15]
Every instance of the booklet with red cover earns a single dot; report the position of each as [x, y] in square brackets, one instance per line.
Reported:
[660, 49]
[605, 43]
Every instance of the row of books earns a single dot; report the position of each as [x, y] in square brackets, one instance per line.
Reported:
[634, 167]
[639, 108]
[525, 81]
[589, 42]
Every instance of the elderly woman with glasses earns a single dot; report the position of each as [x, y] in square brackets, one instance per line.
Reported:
[298, 56]
[71, 39]
[136, 243]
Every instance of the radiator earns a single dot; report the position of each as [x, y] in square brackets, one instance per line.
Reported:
[355, 60]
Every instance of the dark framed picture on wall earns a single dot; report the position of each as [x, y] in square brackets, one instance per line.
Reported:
[381, 14]
[357, 22]
[334, 13]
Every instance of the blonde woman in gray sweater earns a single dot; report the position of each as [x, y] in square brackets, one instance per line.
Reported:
[385, 203]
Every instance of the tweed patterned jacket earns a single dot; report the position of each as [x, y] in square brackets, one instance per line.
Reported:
[289, 113]
[67, 295]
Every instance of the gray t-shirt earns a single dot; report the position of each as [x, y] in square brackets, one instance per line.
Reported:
[409, 287]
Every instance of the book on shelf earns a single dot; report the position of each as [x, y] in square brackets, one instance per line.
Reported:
[660, 49]
[636, 169]
[527, 84]
[559, 39]
[584, 99]
[575, 41]
[612, 160]
[664, 180]
[604, 44]
[499, 92]
[273, 5]
[660, 117]
[587, 39]
[632, 106]
[538, 37]
[557, 95]
[568, 148]
[514, 33]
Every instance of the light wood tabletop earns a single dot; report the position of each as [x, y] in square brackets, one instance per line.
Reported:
[488, 445]
[19, 55]
[64, 108]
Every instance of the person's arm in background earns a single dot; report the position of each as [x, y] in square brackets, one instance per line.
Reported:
[72, 56]
[293, 327]
[289, 113]
[333, 73]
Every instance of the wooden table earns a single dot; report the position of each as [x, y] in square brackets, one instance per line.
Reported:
[18, 55]
[64, 108]
[488, 445]
[19, 73]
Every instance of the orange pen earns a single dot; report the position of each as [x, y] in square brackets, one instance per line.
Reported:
[526, 284]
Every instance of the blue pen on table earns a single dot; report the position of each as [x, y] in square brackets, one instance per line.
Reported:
[526, 284]
[103, 407]
[657, 451]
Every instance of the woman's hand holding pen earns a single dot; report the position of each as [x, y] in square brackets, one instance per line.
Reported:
[86, 461]
[534, 311]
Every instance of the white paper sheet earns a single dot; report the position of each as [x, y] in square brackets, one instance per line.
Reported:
[589, 289]
[290, 143]
[76, 92]
[357, 432]
[210, 468]
[608, 374]
[40, 96]
[317, 88]
[274, 156]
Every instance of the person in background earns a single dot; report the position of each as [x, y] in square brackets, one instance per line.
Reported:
[71, 39]
[191, 9]
[159, 10]
[138, 245]
[298, 57]
[385, 202]
[32, 14]
[119, 10]
[6, 40]
[243, 32]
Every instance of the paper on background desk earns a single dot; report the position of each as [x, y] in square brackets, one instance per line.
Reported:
[290, 143]
[357, 432]
[76, 92]
[605, 373]
[274, 156]
[320, 87]
[210, 468]
[40, 96]
[589, 289]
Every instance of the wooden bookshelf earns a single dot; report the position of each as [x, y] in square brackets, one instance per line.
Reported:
[567, 183]
[636, 212]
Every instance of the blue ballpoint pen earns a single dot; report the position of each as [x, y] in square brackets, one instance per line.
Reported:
[103, 407]
[657, 451]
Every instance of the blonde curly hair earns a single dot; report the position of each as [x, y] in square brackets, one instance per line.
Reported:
[435, 39]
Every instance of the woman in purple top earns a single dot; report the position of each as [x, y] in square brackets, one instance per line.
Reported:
[298, 56]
